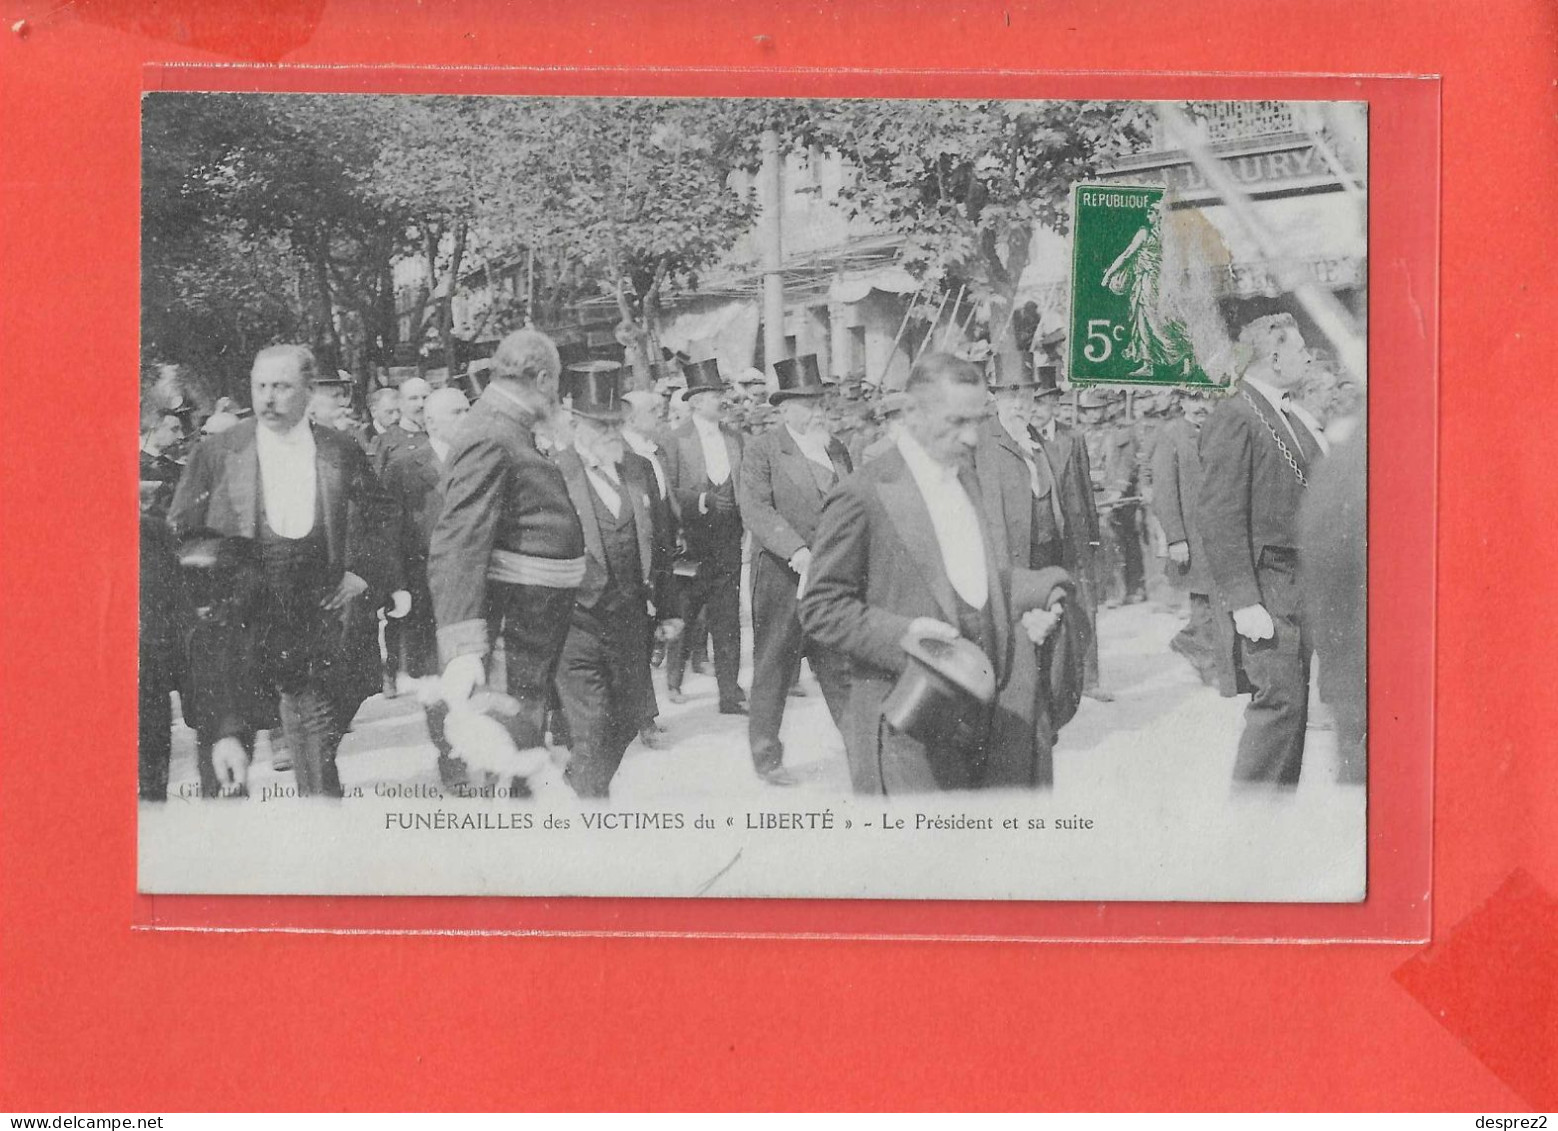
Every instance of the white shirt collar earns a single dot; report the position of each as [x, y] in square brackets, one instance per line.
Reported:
[592, 463]
[1019, 435]
[296, 436]
[407, 426]
[440, 449]
[921, 465]
[1277, 397]
[640, 443]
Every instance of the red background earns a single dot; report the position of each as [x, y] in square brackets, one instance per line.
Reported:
[95, 1016]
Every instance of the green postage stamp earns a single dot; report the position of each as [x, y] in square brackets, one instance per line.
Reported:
[1142, 311]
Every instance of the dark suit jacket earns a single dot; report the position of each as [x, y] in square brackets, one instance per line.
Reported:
[663, 507]
[1007, 492]
[1176, 487]
[220, 494]
[876, 566]
[708, 537]
[499, 493]
[1067, 455]
[780, 501]
[638, 491]
[1248, 505]
[396, 439]
[1249, 496]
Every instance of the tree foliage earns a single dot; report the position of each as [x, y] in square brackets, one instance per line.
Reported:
[966, 184]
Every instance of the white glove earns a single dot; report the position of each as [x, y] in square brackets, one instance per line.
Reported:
[1253, 623]
[400, 604]
[462, 676]
[1039, 623]
[230, 762]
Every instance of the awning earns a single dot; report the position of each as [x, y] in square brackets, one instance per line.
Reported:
[854, 287]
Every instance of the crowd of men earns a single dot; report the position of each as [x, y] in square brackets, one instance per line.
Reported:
[937, 555]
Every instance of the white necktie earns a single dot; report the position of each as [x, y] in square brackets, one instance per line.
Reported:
[716, 461]
[602, 481]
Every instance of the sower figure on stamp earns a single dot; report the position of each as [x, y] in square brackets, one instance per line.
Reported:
[603, 677]
[1255, 458]
[306, 502]
[903, 556]
[786, 474]
[507, 551]
[412, 480]
[703, 459]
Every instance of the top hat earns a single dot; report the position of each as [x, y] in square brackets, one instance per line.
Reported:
[703, 377]
[594, 389]
[943, 693]
[1046, 379]
[1010, 373]
[797, 377]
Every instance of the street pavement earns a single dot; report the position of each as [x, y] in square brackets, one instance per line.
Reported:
[1164, 736]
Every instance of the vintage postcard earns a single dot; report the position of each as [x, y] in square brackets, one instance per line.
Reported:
[878, 499]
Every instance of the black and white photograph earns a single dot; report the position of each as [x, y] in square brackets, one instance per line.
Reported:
[753, 498]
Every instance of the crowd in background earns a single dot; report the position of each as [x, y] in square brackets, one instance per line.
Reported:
[398, 534]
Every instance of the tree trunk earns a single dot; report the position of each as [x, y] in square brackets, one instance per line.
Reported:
[446, 307]
[328, 341]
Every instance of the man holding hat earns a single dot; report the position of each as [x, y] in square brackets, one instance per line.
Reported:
[304, 506]
[703, 460]
[786, 474]
[507, 552]
[603, 676]
[905, 565]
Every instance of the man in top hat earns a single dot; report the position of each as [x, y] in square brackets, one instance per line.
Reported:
[1018, 485]
[507, 551]
[1256, 459]
[306, 504]
[412, 479]
[1066, 450]
[905, 551]
[603, 678]
[1176, 487]
[786, 473]
[703, 460]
